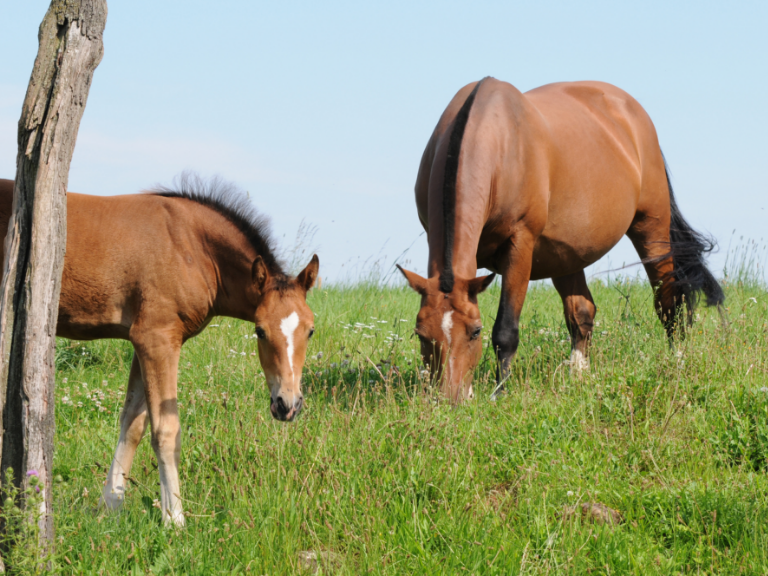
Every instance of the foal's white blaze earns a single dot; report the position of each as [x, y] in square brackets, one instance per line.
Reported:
[288, 326]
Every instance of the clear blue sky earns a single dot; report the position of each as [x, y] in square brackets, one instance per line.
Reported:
[321, 110]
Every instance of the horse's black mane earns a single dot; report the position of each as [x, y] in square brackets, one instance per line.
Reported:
[449, 189]
[232, 203]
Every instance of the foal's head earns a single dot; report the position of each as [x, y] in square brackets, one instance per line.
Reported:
[449, 328]
[284, 325]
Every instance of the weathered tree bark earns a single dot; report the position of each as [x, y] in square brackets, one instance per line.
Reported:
[71, 47]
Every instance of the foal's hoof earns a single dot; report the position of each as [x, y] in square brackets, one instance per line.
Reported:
[175, 520]
[112, 500]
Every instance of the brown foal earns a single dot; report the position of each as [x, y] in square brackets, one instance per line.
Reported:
[541, 185]
[154, 269]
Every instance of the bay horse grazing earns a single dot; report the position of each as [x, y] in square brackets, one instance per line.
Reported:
[541, 185]
[154, 269]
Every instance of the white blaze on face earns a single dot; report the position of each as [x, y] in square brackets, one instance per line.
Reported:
[288, 326]
[447, 325]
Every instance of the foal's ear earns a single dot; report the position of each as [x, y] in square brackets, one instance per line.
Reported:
[306, 278]
[418, 283]
[259, 273]
[477, 285]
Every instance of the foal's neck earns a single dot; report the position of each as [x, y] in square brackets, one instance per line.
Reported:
[232, 259]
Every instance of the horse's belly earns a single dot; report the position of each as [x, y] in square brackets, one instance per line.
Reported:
[560, 252]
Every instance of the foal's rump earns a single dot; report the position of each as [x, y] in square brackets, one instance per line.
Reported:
[121, 252]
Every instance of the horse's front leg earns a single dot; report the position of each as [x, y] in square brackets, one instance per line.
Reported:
[159, 357]
[133, 423]
[513, 262]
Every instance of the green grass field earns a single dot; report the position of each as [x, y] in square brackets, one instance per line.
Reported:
[380, 478]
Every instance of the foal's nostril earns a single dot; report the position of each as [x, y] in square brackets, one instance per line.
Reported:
[281, 407]
[283, 411]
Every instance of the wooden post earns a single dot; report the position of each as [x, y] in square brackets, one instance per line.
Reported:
[71, 47]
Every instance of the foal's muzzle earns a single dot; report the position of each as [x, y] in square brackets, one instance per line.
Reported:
[286, 411]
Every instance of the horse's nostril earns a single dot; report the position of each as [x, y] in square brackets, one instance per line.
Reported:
[282, 408]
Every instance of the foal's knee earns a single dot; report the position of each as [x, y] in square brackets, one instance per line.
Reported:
[166, 441]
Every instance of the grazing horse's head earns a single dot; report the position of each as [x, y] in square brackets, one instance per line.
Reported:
[449, 328]
[284, 325]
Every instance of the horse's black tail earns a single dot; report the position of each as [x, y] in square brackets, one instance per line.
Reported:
[688, 248]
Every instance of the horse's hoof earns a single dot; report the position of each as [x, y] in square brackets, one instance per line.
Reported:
[579, 363]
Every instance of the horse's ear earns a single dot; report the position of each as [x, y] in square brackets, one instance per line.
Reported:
[479, 284]
[306, 278]
[259, 273]
[418, 283]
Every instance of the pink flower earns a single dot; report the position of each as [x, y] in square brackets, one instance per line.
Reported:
[32, 473]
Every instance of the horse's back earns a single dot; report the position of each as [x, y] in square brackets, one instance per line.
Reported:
[605, 166]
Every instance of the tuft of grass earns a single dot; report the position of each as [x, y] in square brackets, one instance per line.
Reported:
[384, 478]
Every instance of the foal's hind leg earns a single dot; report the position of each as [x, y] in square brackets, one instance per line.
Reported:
[133, 423]
[580, 312]
[651, 240]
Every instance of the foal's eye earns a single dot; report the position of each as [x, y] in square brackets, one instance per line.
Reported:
[476, 333]
[311, 332]
[260, 334]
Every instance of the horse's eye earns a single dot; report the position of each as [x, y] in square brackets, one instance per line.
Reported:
[260, 334]
[311, 332]
[476, 333]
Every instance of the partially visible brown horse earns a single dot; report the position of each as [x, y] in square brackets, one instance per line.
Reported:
[154, 269]
[541, 185]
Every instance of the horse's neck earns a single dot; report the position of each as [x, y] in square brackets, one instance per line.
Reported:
[462, 240]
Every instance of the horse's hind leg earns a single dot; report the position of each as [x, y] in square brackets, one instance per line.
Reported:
[580, 312]
[133, 423]
[651, 240]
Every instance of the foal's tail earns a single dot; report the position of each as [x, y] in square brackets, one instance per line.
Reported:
[688, 248]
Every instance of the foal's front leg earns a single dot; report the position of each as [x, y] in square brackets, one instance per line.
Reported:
[159, 358]
[133, 423]
[513, 262]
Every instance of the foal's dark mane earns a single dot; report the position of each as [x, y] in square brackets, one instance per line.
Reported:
[449, 189]
[232, 203]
